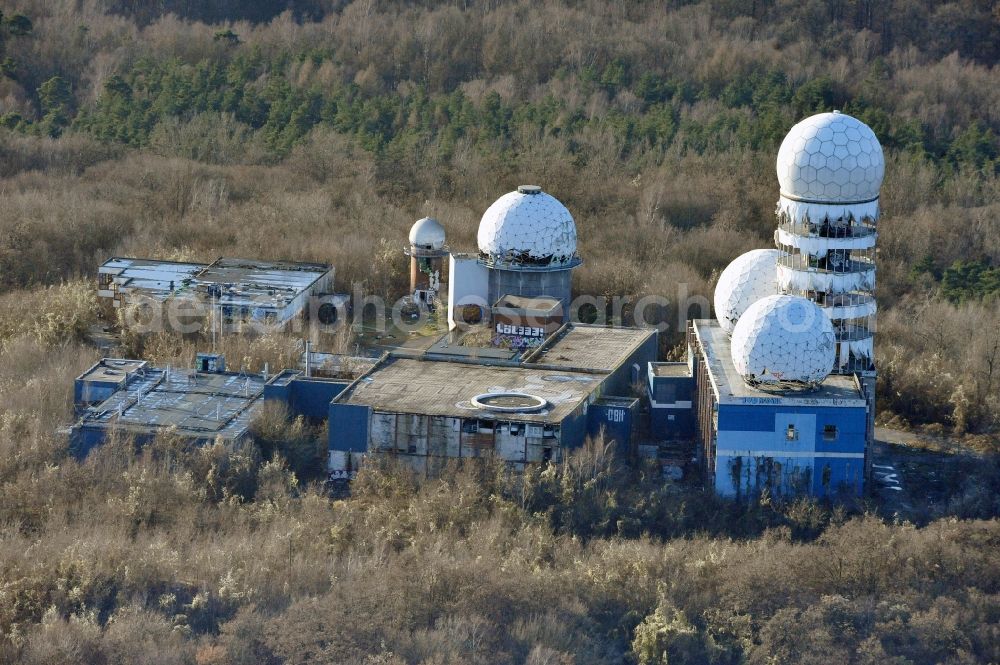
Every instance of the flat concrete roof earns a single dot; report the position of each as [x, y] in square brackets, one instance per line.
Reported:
[197, 405]
[590, 348]
[151, 276]
[670, 369]
[336, 362]
[440, 388]
[111, 369]
[730, 388]
[239, 282]
[247, 282]
[628, 402]
[541, 306]
[450, 344]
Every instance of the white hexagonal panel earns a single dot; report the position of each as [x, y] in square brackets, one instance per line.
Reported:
[746, 280]
[823, 142]
[781, 340]
[528, 227]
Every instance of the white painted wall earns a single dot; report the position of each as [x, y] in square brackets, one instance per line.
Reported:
[468, 283]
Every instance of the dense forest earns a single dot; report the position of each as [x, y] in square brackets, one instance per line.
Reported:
[319, 130]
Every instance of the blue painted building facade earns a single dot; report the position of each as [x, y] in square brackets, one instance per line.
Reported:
[670, 389]
[787, 443]
[790, 449]
[615, 419]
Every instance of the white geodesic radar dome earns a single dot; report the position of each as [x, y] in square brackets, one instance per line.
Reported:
[746, 280]
[830, 158]
[528, 227]
[427, 233]
[783, 340]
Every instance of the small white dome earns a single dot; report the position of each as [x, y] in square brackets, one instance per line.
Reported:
[427, 233]
[783, 339]
[530, 228]
[746, 280]
[830, 158]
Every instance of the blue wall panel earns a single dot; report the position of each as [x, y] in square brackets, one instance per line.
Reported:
[280, 392]
[574, 429]
[670, 389]
[616, 420]
[85, 439]
[835, 476]
[748, 418]
[349, 427]
[672, 424]
[671, 402]
[311, 397]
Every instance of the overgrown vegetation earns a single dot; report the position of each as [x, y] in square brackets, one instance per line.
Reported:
[218, 554]
[319, 130]
[321, 133]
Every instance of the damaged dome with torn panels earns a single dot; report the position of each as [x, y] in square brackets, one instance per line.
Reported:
[528, 228]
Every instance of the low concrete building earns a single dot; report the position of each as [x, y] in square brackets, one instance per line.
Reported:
[135, 399]
[195, 405]
[425, 407]
[103, 379]
[271, 292]
[427, 410]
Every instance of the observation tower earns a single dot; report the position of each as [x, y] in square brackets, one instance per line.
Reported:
[830, 168]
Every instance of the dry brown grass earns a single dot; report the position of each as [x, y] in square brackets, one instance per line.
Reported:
[216, 555]
[664, 230]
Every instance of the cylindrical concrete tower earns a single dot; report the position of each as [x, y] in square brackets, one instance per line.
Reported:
[527, 242]
[830, 168]
[427, 251]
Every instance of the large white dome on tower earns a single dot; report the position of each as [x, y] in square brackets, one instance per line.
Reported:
[427, 233]
[782, 340]
[746, 280]
[830, 158]
[528, 228]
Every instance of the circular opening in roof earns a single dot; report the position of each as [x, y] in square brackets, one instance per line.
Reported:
[529, 189]
[509, 402]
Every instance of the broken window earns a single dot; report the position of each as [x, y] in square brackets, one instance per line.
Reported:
[791, 434]
[830, 433]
